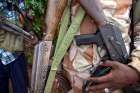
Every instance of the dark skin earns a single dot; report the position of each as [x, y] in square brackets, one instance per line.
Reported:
[94, 10]
[121, 75]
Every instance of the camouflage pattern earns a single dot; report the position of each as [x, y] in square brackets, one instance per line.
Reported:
[79, 60]
[10, 41]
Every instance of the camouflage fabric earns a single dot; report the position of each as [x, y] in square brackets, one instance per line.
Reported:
[10, 41]
[79, 60]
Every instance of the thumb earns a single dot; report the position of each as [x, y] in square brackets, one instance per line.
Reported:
[112, 64]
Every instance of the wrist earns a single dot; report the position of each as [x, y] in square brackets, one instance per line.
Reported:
[135, 65]
[137, 72]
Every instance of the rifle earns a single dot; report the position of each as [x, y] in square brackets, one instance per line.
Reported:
[41, 65]
[109, 38]
[10, 27]
[40, 68]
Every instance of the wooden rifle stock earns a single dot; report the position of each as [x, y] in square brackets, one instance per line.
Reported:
[54, 13]
[12, 28]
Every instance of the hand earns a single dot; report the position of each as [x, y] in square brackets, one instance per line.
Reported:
[31, 43]
[56, 87]
[56, 84]
[120, 76]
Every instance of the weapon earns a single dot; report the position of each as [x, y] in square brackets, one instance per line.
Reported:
[65, 43]
[8, 26]
[108, 37]
[42, 66]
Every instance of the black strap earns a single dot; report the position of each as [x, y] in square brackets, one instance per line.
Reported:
[133, 88]
[131, 32]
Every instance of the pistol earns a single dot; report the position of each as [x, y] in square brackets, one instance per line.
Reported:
[110, 38]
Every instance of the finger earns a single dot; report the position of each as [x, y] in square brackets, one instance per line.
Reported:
[111, 90]
[112, 64]
[100, 87]
[102, 79]
[56, 83]
[97, 91]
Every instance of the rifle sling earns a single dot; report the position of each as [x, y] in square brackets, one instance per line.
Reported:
[131, 31]
[63, 48]
[11, 30]
[65, 21]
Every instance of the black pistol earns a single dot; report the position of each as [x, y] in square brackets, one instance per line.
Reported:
[110, 38]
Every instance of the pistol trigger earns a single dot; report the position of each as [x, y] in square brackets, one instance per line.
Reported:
[99, 40]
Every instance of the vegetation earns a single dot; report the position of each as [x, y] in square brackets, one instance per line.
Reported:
[37, 9]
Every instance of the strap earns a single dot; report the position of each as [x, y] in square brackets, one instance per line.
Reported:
[65, 21]
[63, 47]
[132, 26]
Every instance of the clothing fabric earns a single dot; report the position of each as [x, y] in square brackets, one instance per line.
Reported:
[16, 72]
[12, 64]
[79, 60]
[8, 40]
[6, 57]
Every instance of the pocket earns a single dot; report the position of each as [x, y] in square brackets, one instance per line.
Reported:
[12, 42]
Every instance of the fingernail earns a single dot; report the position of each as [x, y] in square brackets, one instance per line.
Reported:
[87, 89]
